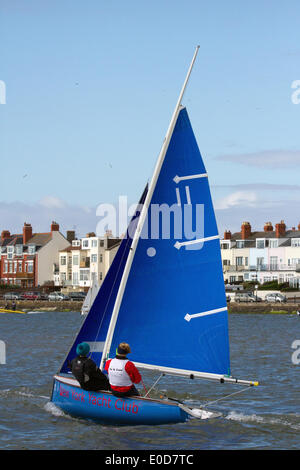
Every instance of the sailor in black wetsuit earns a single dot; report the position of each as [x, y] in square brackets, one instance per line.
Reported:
[86, 371]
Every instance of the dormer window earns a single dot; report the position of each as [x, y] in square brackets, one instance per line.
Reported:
[260, 243]
[10, 252]
[19, 249]
[295, 242]
[31, 249]
[240, 244]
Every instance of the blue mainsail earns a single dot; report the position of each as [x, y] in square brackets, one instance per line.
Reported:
[94, 329]
[173, 311]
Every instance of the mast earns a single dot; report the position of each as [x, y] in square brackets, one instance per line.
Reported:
[144, 214]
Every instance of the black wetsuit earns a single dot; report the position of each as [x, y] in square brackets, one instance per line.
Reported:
[88, 375]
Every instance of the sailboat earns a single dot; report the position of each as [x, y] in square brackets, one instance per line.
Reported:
[90, 298]
[163, 294]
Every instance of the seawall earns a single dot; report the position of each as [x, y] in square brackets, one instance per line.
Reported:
[263, 307]
[60, 306]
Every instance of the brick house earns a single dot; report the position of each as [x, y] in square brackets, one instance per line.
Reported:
[28, 259]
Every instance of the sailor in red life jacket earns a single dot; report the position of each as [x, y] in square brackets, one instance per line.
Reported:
[122, 373]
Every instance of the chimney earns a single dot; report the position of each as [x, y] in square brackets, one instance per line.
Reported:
[227, 235]
[268, 227]
[27, 232]
[280, 229]
[90, 234]
[54, 227]
[246, 230]
[5, 234]
[108, 234]
[70, 235]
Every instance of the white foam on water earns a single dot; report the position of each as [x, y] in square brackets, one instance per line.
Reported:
[202, 414]
[234, 416]
[54, 410]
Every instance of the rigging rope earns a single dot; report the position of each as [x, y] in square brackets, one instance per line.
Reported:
[223, 398]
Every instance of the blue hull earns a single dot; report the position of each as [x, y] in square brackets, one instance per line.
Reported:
[105, 408]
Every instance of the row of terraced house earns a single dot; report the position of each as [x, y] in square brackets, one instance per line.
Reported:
[262, 256]
[30, 259]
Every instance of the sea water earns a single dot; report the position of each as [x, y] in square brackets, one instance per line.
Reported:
[263, 417]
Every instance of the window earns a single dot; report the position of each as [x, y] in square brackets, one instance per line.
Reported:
[84, 274]
[239, 261]
[260, 243]
[94, 243]
[101, 277]
[295, 242]
[273, 243]
[63, 260]
[20, 266]
[225, 246]
[101, 259]
[30, 267]
[19, 249]
[5, 266]
[75, 279]
[240, 244]
[94, 258]
[226, 262]
[75, 260]
[85, 243]
[10, 252]
[274, 262]
[10, 267]
[31, 249]
[246, 261]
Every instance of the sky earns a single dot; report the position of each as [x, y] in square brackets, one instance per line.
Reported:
[90, 87]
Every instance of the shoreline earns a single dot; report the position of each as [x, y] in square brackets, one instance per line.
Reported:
[263, 308]
[45, 305]
[233, 307]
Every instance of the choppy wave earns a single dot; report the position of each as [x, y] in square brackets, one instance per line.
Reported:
[291, 421]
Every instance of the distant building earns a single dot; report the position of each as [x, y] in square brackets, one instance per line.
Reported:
[87, 260]
[28, 259]
[262, 256]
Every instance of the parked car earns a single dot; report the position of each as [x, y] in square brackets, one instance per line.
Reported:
[77, 295]
[246, 297]
[29, 296]
[275, 298]
[58, 296]
[11, 296]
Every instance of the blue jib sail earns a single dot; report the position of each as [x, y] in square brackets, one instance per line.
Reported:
[94, 329]
[173, 311]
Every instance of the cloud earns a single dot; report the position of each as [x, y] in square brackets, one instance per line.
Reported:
[238, 198]
[259, 187]
[268, 158]
[52, 202]
[42, 213]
